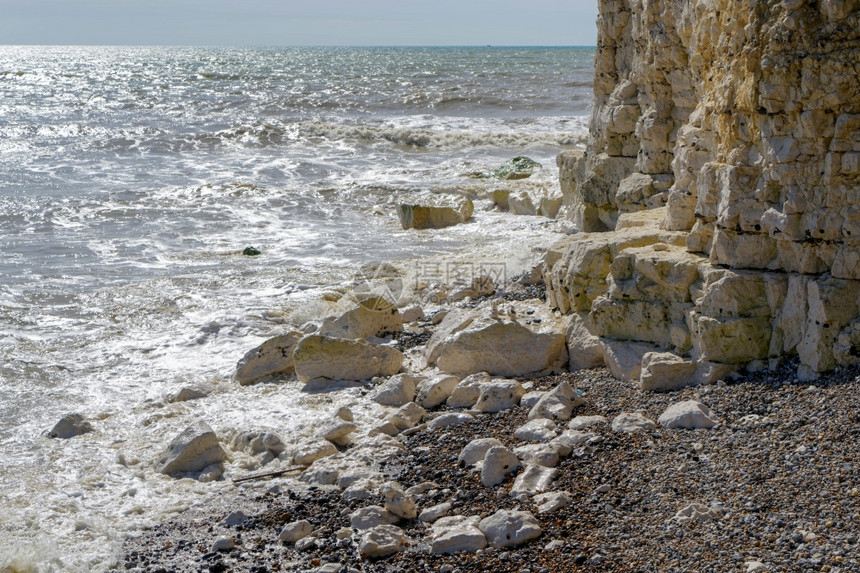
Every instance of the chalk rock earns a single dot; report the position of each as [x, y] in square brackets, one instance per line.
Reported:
[499, 395]
[381, 541]
[434, 211]
[480, 286]
[407, 416]
[373, 316]
[449, 419]
[537, 454]
[274, 356]
[533, 479]
[187, 393]
[499, 461]
[536, 430]
[319, 357]
[583, 422]
[412, 314]
[628, 422]
[507, 528]
[502, 344]
[433, 513]
[624, 358]
[295, 531]
[370, 517]
[689, 414]
[456, 534]
[193, 450]
[552, 501]
[700, 512]
[432, 392]
[476, 450]
[233, 519]
[557, 403]
[569, 440]
[397, 390]
[397, 501]
[583, 347]
[258, 442]
[225, 543]
[310, 451]
[337, 432]
[467, 392]
[69, 426]
[529, 399]
[666, 371]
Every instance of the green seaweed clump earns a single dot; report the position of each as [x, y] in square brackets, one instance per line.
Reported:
[252, 252]
[517, 168]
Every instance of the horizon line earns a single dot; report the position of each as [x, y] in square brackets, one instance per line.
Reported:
[285, 46]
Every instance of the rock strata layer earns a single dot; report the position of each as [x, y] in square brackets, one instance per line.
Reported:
[738, 125]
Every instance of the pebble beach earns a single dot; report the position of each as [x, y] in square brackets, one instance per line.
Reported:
[773, 486]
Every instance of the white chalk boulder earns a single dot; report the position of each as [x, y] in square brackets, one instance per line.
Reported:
[499, 462]
[193, 450]
[557, 403]
[397, 501]
[273, 357]
[499, 395]
[432, 392]
[500, 343]
[381, 541]
[666, 371]
[533, 479]
[537, 430]
[370, 517]
[507, 528]
[689, 415]
[629, 422]
[324, 358]
[372, 316]
[397, 390]
[476, 450]
[457, 534]
[295, 531]
[434, 211]
[69, 426]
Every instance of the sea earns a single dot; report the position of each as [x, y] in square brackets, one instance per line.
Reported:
[132, 179]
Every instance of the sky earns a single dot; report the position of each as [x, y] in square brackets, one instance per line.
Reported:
[299, 22]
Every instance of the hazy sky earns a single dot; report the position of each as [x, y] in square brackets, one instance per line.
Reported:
[299, 22]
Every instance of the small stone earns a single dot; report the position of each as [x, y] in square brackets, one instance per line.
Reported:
[435, 512]
[69, 426]
[537, 430]
[603, 488]
[552, 501]
[397, 501]
[689, 414]
[449, 419]
[583, 422]
[234, 519]
[223, 544]
[306, 544]
[381, 541]
[370, 517]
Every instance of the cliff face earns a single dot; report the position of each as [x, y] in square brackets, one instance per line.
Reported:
[739, 121]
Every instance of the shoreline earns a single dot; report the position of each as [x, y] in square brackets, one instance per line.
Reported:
[625, 489]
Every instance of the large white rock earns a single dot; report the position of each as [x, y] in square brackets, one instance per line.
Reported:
[435, 512]
[397, 390]
[381, 541]
[583, 347]
[373, 316]
[449, 419]
[432, 392]
[557, 403]
[457, 534]
[467, 392]
[498, 463]
[537, 430]
[320, 357]
[689, 414]
[507, 528]
[569, 440]
[497, 342]
[499, 395]
[397, 501]
[666, 371]
[434, 211]
[274, 356]
[629, 422]
[295, 531]
[537, 454]
[407, 416]
[624, 358]
[193, 450]
[476, 450]
[532, 480]
[337, 432]
[310, 451]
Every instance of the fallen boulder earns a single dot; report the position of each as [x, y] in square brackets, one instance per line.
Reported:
[498, 463]
[274, 356]
[397, 390]
[457, 534]
[432, 392]
[434, 211]
[557, 403]
[666, 371]
[324, 358]
[629, 422]
[69, 426]
[381, 541]
[476, 450]
[499, 395]
[689, 415]
[373, 316]
[507, 528]
[193, 450]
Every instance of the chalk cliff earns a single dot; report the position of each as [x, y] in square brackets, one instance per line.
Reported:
[734, 125]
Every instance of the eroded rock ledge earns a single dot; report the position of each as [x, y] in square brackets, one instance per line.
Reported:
[738, 124]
